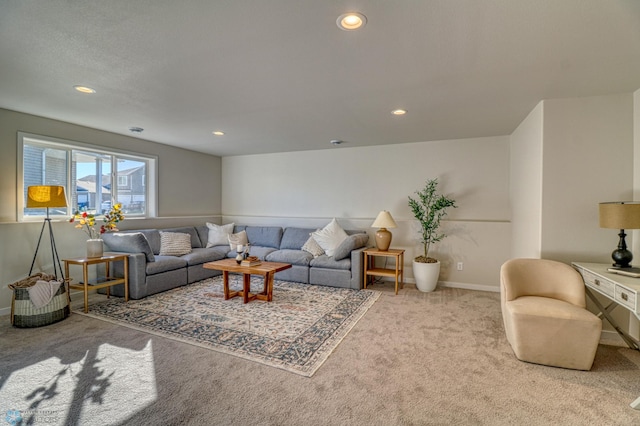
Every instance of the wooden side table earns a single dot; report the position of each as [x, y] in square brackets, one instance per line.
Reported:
[108, 281]
[370, 270]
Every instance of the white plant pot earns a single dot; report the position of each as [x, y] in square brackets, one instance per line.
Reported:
[95, 248]
[426, 275]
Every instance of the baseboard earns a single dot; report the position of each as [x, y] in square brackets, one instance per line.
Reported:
[478, 287]
[452, 284]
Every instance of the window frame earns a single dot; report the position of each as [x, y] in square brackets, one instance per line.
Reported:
[150, 175]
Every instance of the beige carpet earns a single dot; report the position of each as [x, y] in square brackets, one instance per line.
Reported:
[413, 359]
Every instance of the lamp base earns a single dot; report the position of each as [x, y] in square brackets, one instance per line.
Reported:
[621, 256]
[383, 239]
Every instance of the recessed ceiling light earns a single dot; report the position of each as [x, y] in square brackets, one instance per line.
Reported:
[218, 133]
[85, 89]
[351, 21]
[336, 142]
[399, 112]
[136, 129]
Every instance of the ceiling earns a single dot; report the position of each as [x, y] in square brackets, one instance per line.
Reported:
[279, 75]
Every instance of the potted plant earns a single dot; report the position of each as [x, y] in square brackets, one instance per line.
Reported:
[429, 208]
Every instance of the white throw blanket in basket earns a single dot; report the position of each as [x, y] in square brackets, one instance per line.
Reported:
[42, 292]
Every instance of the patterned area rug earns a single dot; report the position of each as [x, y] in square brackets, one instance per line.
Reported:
[296, 332]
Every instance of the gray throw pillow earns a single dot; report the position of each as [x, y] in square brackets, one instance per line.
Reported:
[352, 242]
[134, 242]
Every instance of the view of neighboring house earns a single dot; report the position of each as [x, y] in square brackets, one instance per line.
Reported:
[129, 191]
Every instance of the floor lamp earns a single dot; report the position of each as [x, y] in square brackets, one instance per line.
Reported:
[47, 196]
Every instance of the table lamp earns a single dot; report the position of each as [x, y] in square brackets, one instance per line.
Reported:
[620, 215]
[383, 237]
[47, 196]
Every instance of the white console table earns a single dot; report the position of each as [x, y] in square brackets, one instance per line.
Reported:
[619, 289]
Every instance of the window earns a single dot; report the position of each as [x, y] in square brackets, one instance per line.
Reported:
[94, 178]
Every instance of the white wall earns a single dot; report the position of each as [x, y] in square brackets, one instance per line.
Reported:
[189, 193]
[353, 184]
[526, 185]
[588, 159]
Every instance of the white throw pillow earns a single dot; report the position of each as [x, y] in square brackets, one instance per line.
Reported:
[236, 239]
[174, 243]
[312, 246]
[330, 237]
[219, 234]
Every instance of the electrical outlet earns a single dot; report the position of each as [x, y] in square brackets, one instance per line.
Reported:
[460, 266]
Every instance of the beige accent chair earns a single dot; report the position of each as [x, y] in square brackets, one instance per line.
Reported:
[545, 315]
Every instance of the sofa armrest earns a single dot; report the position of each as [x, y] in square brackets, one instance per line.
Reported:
[357, 268]
[137, 274]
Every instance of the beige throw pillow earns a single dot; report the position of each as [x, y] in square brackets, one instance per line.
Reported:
[236, 239]
[312, 246]
[174, 243]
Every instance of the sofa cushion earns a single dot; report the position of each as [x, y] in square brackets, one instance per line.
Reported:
[199, 256]
[352, 242]
[294, 238]
[164, 264]
[174, 243]
[238, 239]
[330, 237]
[294, 257]
[132, 242]
[312, 246]
[264, 236]
[195, 239]
[329, 262]
[218, 234]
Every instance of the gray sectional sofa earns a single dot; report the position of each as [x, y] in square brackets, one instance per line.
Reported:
[150, 272]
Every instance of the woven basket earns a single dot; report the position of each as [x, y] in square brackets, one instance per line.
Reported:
[24, 314]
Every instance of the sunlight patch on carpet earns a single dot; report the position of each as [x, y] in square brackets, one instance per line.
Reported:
[116, 383]
[296, 332]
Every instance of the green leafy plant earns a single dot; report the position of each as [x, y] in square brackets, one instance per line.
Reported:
[429, 208]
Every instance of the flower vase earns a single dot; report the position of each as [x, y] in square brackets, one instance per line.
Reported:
[94, 248]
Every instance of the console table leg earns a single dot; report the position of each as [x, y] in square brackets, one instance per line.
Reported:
[630, 341]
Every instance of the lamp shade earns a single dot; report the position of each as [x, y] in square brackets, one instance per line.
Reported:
[46, 196]
[384, 220]
[620, 215]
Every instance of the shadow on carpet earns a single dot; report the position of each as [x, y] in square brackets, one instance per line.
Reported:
[295, 332]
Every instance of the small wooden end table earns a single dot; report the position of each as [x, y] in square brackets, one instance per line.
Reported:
[266, 269]
[109, 281]
[370, 270]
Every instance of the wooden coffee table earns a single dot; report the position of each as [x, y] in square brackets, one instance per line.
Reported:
[266, 269]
